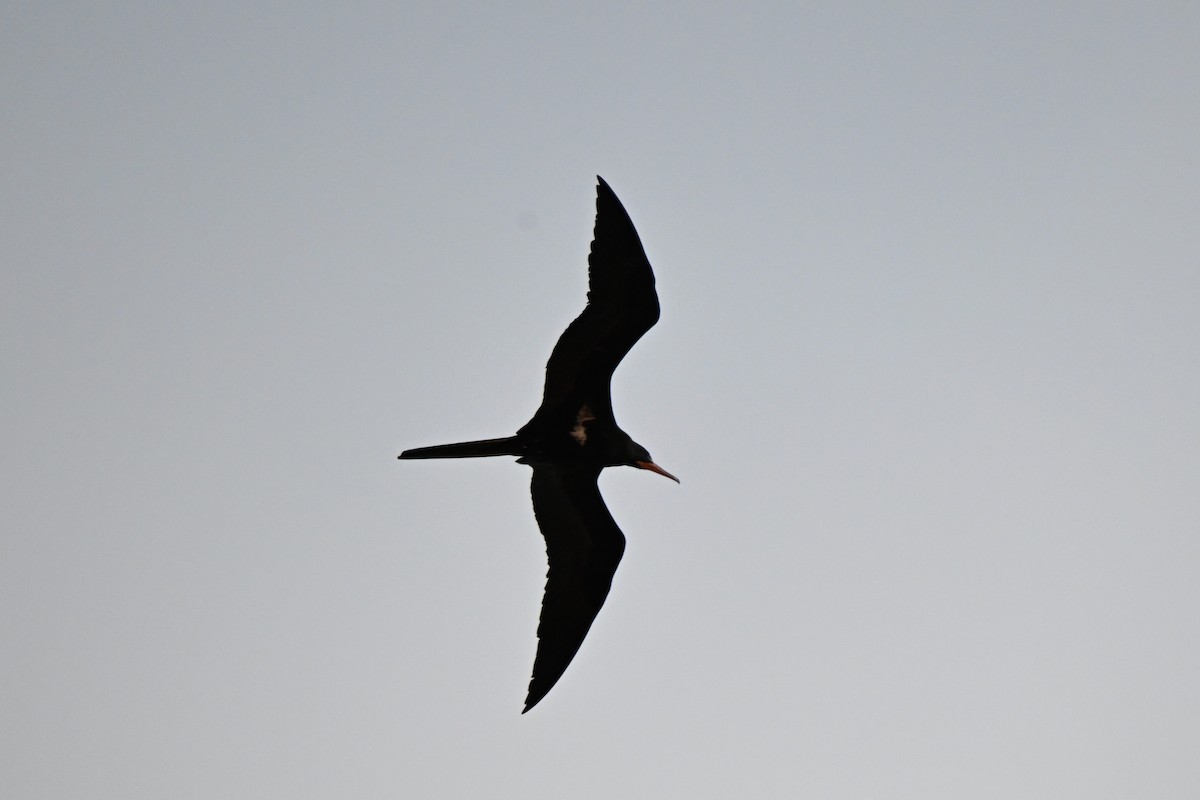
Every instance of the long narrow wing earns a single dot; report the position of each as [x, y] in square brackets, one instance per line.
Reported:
[584, 546]
[622, 306]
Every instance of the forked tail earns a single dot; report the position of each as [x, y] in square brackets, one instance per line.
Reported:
[507, 446]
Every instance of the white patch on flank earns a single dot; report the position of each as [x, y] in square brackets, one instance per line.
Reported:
[579, 433]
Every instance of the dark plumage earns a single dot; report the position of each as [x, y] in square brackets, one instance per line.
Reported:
[573, 436]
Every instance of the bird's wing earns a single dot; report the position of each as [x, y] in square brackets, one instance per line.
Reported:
[622, 305]
[584, 546]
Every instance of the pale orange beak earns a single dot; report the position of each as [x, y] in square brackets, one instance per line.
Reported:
[650, 465]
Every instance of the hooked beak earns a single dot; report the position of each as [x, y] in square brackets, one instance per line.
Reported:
[650, 465]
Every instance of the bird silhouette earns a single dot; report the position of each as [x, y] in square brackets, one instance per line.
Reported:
[574, 435]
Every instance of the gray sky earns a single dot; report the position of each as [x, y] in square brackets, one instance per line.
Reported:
[927, 368]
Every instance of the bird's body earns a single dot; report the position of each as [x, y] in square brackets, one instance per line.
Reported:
[573, 436]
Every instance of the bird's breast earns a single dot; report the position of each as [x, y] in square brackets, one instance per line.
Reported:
[579, 431]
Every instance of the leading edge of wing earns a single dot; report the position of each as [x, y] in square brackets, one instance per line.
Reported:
[584, 547]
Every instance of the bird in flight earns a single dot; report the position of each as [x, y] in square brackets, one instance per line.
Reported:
[573, 436]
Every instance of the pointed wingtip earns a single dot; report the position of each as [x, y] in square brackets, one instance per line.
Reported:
[606, 197]
[532, 699]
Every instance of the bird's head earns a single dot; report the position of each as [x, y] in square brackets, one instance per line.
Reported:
[642, 460]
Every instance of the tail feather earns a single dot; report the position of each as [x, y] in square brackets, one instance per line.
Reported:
[506, 446]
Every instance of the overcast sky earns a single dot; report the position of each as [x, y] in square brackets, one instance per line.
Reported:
[928, 368]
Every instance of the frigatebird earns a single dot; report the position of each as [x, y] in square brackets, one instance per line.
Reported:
[573, 436]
